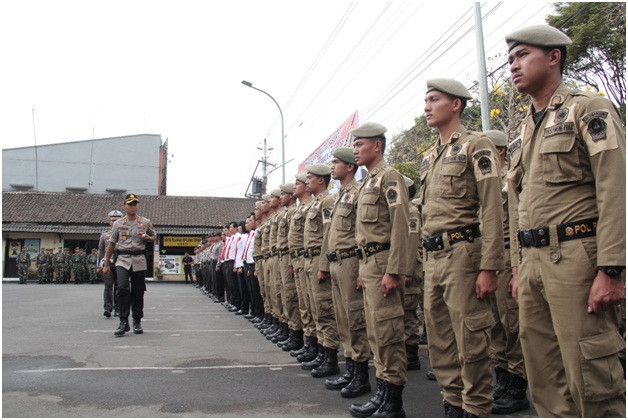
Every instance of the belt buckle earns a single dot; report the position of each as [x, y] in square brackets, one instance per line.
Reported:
[331, 256]
[359, 253]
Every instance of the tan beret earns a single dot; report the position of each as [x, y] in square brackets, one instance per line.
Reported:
[345, 154]
[417, 202]
[319, 169]
[258, 205]
[276, 193]
[409, 182]
[302, 177]
[287, 188]
[449, 86]
[367, 130]
[266, 197]
[498, 138]
[539, 35]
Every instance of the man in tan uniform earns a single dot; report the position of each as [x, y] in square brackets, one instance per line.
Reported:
[264, 233]
[341, 264]
[289, 296]
[510, 391]
[459, 180]
[317, 223]
[413, 295]
[309, 351]
[382, 240]
[260, 217]
[567, 201]
[272, 269]
[129, 235]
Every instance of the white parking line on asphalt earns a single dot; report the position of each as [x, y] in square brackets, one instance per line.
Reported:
[97, 369]
[172, 331]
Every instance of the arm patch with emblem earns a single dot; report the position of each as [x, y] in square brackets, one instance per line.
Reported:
[484, 164]
[414, 225]
[327, 212]
[598, 131]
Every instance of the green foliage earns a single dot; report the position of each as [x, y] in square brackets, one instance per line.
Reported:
[597, 57]
[409, 169]
[409, 145]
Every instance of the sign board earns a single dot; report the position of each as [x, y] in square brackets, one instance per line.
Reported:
[171, 264]
[181, 241]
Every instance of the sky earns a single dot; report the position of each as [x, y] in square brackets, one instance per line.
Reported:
[97, 69]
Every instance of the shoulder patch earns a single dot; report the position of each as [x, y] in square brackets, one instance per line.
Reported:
[598, 130]
[484, 164]
[414, 225]
[327, 212]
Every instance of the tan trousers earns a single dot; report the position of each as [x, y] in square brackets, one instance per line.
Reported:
[384, 321]
[269, 286]
[349, 309]
[458, 326]
[305, 312]
[322, 305]
[571, 356]
[276, 289]
[506, 350]
[289, 297]
[260, 267]
[411, 300]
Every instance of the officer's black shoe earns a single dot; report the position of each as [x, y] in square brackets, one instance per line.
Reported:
[233, 309]
[316, 361]
[367, 409]
[107, 314]
[393, 402]
[466, 414]
[239, 312]
[502, 380]
[430, 375]
[345, 379]
[122, 328]
[359, 384]
[295, 342]
[412, 354]
[249, 316]
[306, 345]
[329, 366]
[137, 327]
[515, 399]
[451, 411]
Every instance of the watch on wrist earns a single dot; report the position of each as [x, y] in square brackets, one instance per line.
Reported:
[611, 270]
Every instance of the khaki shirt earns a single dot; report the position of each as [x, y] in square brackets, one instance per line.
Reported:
[317, 220]
[341, 234]
[274, 224]
[570, 167]
[297, 223]
[257, 242]
[284, 226]
[505, 221]
[414, 240]
[265, 229]
[382, 215]
[458, 179]
[126, 234]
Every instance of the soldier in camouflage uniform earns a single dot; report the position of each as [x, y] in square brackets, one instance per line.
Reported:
[58, 261]
[92, 265]
[41, 261]
[67, 265]
[23, 263]
[77, 266]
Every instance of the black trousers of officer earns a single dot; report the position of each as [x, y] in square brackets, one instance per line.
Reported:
[233, 291]
[199, 275]
[110, 296]
[243, 288]
[257, 304]
[213, 288]
[130, 292]
[187, 270]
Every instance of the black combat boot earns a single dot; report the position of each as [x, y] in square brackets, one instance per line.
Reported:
[451, 411]
[515, 399]
[317, 361]
[502, 379]
[371, 406]
[306, 345]
[344, 380]
[277, 332]
[271, 329]
[296, 342]
[430, 375]
[284, 342]
[311, 352]
[122, 328]
[412, 354]
[360, 384]
[329, 366]
[263, 323]
[393, 402]
[137, 326]
[283, 334]
[468, 415]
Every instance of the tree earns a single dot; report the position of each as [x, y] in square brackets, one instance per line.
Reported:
[598, 53]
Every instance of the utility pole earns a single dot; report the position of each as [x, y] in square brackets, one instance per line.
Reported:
[265, 164]
[36, 163]
[484, 102]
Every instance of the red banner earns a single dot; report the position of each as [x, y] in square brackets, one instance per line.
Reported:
[339, 138]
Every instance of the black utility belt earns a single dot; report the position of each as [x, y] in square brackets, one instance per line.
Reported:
[284, 251]
[266, 255]
[257, 258]
[370, 249]
[296, 253]
[312, 252]
[540, 237]
[138, 252]
[467, 233]
[341, 254]
[507, 243]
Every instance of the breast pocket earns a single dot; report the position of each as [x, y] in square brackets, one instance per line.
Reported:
[451, 183]
[345, 221]
[124, 235]
[422, 187]
[561, 159]
[515, 171]
[311, 222]
[369, 209]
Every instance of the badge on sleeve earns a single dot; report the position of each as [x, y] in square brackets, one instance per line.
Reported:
[484, 164]
[327, 211]
[392, 193]
[599, 131]
[414, 225]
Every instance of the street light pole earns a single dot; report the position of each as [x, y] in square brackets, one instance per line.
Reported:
[283, 149]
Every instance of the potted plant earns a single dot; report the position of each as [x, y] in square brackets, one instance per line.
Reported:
[157, 273]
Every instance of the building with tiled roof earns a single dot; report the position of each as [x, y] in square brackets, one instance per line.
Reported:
[52, 220]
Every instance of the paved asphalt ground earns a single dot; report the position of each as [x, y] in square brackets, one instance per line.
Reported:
[195, 359]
